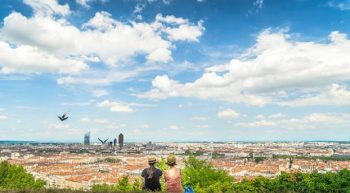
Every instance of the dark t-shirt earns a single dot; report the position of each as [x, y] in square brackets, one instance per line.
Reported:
[153, 183]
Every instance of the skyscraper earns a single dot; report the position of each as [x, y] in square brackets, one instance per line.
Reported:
[121, 140]
[115, 142]
[87, 138]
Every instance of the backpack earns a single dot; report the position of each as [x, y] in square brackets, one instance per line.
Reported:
[189, 190]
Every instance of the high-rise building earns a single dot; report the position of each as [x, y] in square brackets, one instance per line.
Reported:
[87, 138]
[115, 142]
[121, 140]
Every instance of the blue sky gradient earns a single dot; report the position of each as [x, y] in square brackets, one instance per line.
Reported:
[175, 70]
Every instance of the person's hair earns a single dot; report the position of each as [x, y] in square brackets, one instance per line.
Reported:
[171, 164]
[150, 171]
[171, 160]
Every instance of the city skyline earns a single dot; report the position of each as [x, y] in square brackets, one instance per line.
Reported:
[171, 70]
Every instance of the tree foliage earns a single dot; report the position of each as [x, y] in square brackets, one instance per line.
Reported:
[203, 177]
[123, 185]
[16, 177]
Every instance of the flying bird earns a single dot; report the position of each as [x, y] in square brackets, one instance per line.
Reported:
[103, 141]
[63, 117]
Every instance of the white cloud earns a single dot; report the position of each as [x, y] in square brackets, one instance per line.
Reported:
[260, 117]
[85, 120]
[160, 55]
[47, 7]
[275, 70]
[273, 116]
[314, 120]
[184, 31]
[52, 44]
[3, 117]
[115, 106]
[87, 3]
[173, 127]
[99, 92]
[116, 126]
[102, 121]
[319, 117]
[262, 123]
[259, 3]
[334, 94]
[33, 60]
[139, 7]
[58, 126]
[203, 126]
[340, 4]
[228, 114]
[198, 118]
[277, 116]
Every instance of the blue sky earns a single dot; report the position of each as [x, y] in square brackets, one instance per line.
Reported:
[175, 70]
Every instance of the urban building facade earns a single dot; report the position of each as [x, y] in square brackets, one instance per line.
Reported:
[87, 138]
[121, 140]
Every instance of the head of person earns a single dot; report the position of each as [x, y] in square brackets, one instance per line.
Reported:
[151, 162]
[171, 160]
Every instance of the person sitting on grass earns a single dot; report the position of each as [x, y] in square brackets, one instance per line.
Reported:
[152, 176]
[173, 176]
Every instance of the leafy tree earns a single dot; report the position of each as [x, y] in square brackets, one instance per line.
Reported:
[124, 185]
[203, 177]
[162, 165]
[16, 177]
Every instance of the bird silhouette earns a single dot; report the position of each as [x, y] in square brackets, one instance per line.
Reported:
[103, 141]
[63, 117]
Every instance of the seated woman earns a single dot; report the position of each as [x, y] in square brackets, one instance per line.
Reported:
[152, 176]
[173, 176]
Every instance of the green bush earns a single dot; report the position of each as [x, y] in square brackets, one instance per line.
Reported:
[203, 177]
[16, 177]
[123, 185]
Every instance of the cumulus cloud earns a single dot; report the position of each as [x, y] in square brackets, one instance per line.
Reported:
[43, 43]
[309, 121]
[101, 121]
[99, 92]
[259, 3]
[3, 117]
[184, 30]
[275, 70]
[262, 123]
[33, 60]
[340, 4]
[314, 120]
[115, 106]
[334, 94]
[173, 128]
[58, 126]
[47, 7]
[87, 3]
[85, 120]
[228, 114]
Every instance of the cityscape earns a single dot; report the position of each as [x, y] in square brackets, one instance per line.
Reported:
[81, 165]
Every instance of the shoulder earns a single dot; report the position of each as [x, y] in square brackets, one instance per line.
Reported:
[159, 171]
[144, 172]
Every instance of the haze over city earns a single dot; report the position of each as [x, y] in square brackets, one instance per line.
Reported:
[172, 70]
